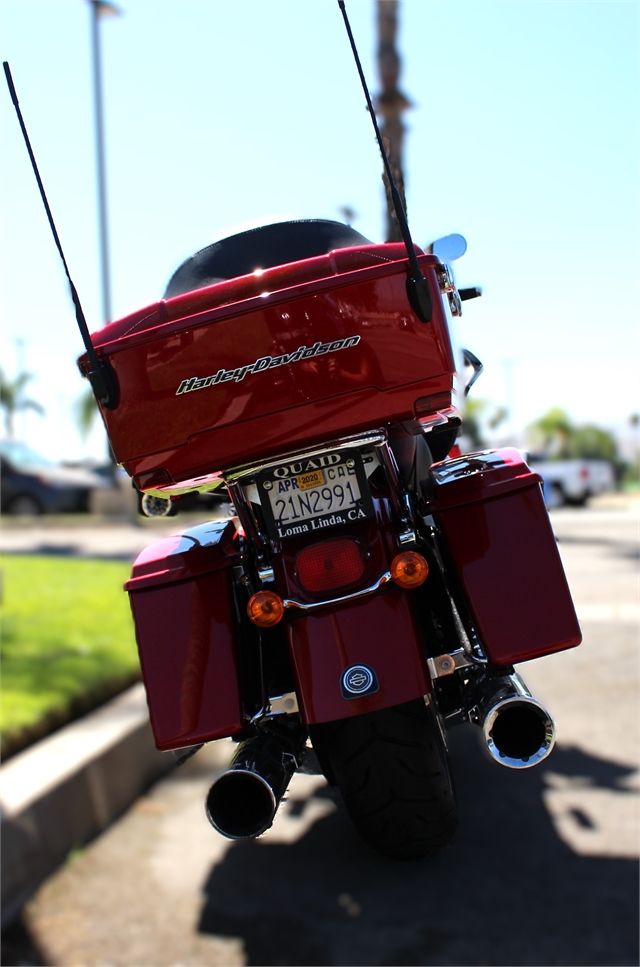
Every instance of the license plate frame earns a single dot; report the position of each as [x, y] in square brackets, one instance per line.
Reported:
[293, 483]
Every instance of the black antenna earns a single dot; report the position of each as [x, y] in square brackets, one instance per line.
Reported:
[101, 376]
[417, 286]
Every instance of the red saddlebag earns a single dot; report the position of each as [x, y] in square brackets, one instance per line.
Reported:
[490, 510]
[181, 599]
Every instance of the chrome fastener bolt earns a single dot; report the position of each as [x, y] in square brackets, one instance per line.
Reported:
[267, 485]
[351, 464]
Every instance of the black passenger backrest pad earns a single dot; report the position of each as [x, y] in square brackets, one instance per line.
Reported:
[261, 248]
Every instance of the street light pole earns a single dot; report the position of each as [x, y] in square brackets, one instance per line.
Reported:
[100, 8]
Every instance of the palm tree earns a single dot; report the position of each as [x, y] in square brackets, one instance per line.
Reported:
[478, 412]
[552, 433]
[390, 104]
[86, 411]
[13, 400]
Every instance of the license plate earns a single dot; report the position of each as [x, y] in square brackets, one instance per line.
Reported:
[311, 495]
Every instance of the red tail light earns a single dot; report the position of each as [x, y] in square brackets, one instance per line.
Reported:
[330, 564]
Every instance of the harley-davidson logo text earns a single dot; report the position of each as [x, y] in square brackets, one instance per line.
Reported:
[265, 362]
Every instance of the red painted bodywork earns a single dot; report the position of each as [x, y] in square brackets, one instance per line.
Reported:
[350, 292]
[181, 599]
[380, 632]
[490, 510]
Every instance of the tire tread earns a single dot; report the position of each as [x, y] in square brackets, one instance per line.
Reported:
[392, 769]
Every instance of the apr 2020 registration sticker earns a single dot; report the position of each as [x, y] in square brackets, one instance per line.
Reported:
[310, 495]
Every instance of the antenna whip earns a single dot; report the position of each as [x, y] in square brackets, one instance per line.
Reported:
[101, 376]
[417, 286]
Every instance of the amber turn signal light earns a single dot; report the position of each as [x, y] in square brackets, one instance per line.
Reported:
[409, 569]
[265, 609]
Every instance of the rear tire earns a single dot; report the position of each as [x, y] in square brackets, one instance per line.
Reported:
[392, 769]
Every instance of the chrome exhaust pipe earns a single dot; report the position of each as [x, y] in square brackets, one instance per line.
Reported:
[244, 800]
[518, 730]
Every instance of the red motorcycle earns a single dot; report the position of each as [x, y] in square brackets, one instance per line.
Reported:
[368, 591]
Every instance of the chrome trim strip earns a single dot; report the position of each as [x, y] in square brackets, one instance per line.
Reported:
[375, 438]
[300, 606]
[266, 574]
[219, 478]
[405, 530]
[204, 484]
[448, 415]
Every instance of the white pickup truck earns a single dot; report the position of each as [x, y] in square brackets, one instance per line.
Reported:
[573, 481]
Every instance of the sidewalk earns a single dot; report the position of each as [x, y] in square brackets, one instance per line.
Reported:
[93, 535]
[61, 792]
[100, 538]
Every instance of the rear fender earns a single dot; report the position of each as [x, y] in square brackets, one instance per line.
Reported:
[358, 658]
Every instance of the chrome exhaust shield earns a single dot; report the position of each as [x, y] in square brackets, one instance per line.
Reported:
[243, 801]
[518, 730]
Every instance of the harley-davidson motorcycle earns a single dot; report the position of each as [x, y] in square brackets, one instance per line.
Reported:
[368, 589]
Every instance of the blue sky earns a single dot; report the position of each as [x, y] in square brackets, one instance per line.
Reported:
[226, 113]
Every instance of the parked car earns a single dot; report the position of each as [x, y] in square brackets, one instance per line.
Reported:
[573, 481]
[31, 484]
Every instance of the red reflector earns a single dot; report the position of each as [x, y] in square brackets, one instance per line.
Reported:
[330, 564]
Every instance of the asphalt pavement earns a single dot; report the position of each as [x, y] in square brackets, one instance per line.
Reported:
[543, 869]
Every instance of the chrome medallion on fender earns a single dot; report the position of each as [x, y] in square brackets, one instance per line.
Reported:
[357, 681]
[264, 363]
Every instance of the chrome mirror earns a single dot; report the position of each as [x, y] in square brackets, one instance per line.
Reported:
[449, 248]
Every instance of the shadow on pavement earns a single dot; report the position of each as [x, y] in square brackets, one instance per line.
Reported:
[507, 891]
[19, 949]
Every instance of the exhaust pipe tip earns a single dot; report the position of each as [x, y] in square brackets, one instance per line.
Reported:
[519, 732]
[241, 804]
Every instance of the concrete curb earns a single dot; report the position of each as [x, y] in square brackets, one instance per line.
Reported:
[61, 792]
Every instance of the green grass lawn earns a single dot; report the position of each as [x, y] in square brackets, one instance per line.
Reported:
[67, 640]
